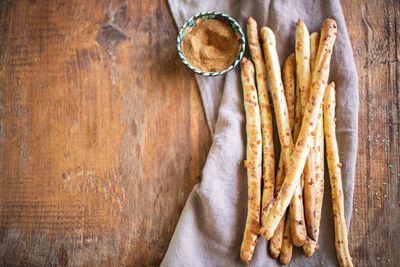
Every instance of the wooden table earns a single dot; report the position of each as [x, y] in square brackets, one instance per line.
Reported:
[103, 135]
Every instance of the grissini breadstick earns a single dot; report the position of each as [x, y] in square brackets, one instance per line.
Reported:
[271, 57]
[310, 246]
[253, 160]
[303, 55]
[278, 97]
[303, 77]
[287, 245]
[289, 71]
[297, 213]
[300, 153]
[266, 117]
[302, 51]
[334, 165]
[289, 68]
[324, 43]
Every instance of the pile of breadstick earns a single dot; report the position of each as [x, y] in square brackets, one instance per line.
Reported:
[286, 208]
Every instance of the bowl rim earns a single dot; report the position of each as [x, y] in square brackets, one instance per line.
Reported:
[241, 40]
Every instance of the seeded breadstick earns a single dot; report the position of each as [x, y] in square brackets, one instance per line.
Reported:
[278, 97]
[310, 246]
[303, 77]
[253, 161]
[289, 84]
[298, 230]
[334, 165]
[303, 73]
[298, 159]
[324, 43]
[266, 117]
[287, 245]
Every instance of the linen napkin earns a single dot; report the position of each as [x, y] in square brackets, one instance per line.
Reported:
[211, 226]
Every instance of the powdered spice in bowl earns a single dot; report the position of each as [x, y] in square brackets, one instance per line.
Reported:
[211, 43]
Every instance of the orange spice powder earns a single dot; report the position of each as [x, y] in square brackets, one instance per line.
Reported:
[211, 46]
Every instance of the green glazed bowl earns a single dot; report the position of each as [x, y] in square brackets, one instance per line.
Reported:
[199, 18]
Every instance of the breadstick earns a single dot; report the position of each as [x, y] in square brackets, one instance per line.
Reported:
[268, 173]
[289, 82]
[287, 245]
[278, 97]
[334, 165]
[324, 43]
[303, 77]
[253, 162]
[303, 73]
[303, 54]
[271, 57]
[300, 153]
[289, 67]
[310, 246]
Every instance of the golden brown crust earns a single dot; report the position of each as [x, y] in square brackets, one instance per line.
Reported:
[278, 97]
[303, 73]
[310, 246]
[266, 117]
[310, 183]
[275, 244]
[334, 165]
[289, 82]
[303, 77]
[253, 160]
[300, 153]
[287, 245]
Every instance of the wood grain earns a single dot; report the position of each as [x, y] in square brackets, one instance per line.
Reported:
[374, 30]
[103, 135]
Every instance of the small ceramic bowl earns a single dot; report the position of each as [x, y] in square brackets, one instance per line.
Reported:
[199, 18]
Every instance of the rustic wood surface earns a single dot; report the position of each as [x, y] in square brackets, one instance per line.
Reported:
[374, 29]
[103, 135]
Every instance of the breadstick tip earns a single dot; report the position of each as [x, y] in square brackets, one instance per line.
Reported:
[299, 21]
[244, 60]
[291, 58]
[331, 22]
[250, 20]
[314, 34]
[268, 36]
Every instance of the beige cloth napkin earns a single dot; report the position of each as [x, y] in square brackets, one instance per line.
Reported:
[210, 229]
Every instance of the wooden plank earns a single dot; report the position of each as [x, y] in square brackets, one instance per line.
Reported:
[374, 29]
[102, 133]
